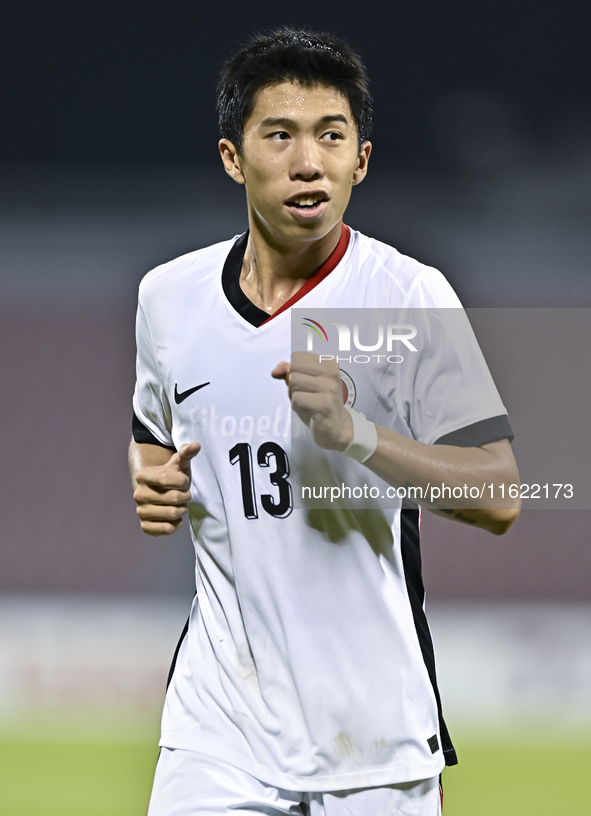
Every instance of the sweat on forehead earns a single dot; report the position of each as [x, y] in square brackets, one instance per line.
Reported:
[300, 100]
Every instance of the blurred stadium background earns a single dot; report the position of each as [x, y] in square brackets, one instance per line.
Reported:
[482, 167]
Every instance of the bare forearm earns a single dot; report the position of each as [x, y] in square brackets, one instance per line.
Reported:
[406, 462]
[399, 460]
[141, 455]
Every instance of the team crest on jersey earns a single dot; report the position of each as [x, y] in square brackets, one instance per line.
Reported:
[349, 390]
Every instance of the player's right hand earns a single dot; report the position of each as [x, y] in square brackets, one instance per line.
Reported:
[163, 491]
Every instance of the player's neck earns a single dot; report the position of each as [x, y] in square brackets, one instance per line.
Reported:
[274, 269]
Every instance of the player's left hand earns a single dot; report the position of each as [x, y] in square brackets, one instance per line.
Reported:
[316, 395]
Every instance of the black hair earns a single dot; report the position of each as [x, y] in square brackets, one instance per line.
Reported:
[295, 55]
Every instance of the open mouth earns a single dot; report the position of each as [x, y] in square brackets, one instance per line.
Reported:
[307, 203]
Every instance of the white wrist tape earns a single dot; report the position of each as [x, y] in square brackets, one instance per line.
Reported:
[365, 437]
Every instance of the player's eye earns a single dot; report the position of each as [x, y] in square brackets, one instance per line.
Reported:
[332, 136]
[280, 136]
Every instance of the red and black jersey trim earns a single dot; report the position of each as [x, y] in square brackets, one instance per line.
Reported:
[411, 559]
[245, 307]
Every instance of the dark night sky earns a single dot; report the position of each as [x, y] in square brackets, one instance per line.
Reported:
[133, 82]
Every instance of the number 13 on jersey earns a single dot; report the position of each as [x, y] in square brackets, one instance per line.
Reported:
[279, 506]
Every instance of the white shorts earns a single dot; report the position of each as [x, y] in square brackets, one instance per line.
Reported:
[191, 784]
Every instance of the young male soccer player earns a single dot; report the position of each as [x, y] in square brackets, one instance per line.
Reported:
[305, 682]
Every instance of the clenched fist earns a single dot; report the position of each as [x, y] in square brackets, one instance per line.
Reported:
[162, 492]
[316, 396]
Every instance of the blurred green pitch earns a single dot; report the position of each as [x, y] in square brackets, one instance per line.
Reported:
[76, 778]
[95, 778]
[544, 777]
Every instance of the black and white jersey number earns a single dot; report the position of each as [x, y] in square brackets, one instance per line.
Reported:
[268, 453]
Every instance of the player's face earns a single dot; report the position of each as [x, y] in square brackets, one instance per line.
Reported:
[300, 158]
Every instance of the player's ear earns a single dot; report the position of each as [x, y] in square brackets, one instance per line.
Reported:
[231, 159]
[362, 161]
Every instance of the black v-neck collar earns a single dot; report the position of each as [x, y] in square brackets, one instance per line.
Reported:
[231, 285]
[245, 307]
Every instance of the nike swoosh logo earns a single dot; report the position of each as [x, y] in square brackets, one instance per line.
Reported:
[178, 398]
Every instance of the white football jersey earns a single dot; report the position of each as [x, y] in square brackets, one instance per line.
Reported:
[308, 661]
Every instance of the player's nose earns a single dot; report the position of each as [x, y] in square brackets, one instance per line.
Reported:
[306, 163]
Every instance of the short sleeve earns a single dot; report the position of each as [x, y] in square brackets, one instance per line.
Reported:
[150, 401]
[448, 385]
[479, 433]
